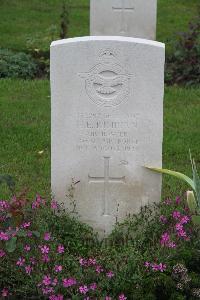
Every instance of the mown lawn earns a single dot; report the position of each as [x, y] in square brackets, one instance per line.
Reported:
[24, 19]
[25, 132]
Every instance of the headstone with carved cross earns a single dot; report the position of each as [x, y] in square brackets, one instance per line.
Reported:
[107, 119]
[133, 18]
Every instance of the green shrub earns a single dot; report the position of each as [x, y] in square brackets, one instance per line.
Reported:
[183, 65]
[17, 65]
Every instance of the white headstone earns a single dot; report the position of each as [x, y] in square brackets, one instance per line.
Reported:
[107, 123]
[133, 18]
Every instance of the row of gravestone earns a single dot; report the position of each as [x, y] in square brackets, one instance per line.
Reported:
[107, 119]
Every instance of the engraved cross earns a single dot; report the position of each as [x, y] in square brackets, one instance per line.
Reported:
[123, 9]
[106, 180]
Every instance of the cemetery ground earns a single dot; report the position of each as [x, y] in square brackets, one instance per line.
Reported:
[152, 256]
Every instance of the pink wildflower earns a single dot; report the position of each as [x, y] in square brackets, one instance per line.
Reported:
[45, 258]
[5, 292]
[122, 297]
[26, 225]
[158, 267]
[54, 204]
[93, 286]
[99, 269]
[108, 298]
[27, 248]
[92, 261]
[47, 290]
[32, 260]
[163, 219]
[83, 289]
[46, 280]
[179, 226]
[4, 236]
[178, 200]
[28, 269]
[4, 205]
[83, 262]
[181, 233]
[67, 282]
[20, 262]
[60, 249]
[168, 201]
[29, 234]
[147, 264]
[155, 267]
[162, 267]
[47, 236]
[176, 215]
[58, 268]
[44, 249]
[184, 220]
[55, 282]
[172, 245]
[38, 202]
[165, 239]
[2, 253]
[110, 274]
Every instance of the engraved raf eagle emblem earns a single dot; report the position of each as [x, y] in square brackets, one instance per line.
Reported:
[107, 83]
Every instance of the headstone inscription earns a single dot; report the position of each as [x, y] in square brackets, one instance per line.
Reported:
[107, 123]
[133, 18]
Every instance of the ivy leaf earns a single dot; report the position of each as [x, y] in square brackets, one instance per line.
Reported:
[11, 244]
[36, 233]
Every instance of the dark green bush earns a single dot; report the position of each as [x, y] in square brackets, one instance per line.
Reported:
[183, 64]
[17, 65]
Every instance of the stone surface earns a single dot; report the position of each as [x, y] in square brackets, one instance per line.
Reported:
[107, 123]
[133, 18]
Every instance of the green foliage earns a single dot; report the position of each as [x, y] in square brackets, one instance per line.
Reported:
[183, 65]
[11, 244]
[133, 252]
[193, 203]
[16, 65]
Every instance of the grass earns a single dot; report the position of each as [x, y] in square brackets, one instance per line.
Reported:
[25, 131]
[22, 20]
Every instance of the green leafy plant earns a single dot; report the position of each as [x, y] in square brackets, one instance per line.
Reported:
[183, 65]
[193, 197]
[17, 65]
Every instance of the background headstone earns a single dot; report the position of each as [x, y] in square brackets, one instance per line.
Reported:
[107, 123]
[133, 18]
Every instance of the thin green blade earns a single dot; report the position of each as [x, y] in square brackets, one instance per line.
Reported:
[196, 181]
[178, 175]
